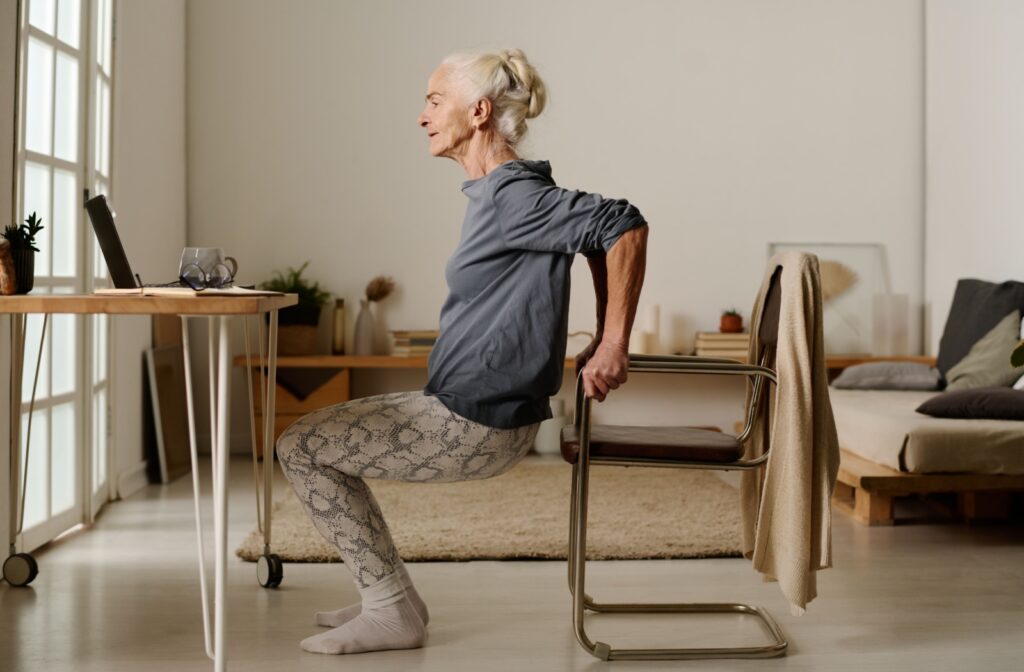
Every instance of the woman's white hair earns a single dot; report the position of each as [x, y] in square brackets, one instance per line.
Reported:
[506, 79]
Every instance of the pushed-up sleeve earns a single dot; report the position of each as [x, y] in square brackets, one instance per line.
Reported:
[539, 216]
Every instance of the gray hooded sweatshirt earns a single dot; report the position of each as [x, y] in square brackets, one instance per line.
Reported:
[501, 350]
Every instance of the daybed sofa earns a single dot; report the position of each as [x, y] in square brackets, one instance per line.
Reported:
[890, 449]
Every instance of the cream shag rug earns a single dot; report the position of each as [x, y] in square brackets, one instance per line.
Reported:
[524, 513]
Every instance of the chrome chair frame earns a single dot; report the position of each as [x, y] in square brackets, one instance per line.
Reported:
[578, 518]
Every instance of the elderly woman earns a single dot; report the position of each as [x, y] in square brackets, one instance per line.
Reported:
[500, 353]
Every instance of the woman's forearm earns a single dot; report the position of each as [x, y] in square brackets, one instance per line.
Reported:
[625, 262]
[599, 271]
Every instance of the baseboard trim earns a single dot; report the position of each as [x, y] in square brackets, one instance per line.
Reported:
[132, 480]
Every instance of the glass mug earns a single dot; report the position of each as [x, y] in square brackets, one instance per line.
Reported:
[202, 267]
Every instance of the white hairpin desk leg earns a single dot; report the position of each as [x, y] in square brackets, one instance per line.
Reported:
[190, 407]
[220, 486]
[269, 423]
[219, 389]
[20, 569]
[17, 367]
[269, 568]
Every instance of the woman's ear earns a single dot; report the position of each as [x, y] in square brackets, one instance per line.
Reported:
[481, 113]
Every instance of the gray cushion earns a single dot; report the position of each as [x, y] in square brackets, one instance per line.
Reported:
[977, 307]
[889, 376]
[988, 362]
[986, 403]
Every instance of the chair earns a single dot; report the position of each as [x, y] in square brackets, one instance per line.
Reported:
[681, 447]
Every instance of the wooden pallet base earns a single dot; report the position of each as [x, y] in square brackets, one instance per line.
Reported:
[866, 491]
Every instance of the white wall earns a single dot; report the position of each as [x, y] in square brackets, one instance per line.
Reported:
[149, 186]
[8, 53]
[729, 124]
[975, 147]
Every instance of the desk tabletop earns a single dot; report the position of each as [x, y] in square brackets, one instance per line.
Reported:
[144, 305]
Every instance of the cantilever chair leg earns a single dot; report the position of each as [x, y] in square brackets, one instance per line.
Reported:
[588, 601]
[582, 601]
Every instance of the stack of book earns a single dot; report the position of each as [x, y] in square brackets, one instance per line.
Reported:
[413, 343]
[716, 344]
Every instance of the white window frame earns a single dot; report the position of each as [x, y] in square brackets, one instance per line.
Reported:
[96, 275]
[91, 496]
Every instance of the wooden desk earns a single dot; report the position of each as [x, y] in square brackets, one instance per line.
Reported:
[338, 389]
[19, 567]
[144, 305]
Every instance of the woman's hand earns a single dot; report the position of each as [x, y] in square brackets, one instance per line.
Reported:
[586, 354]
[606, 369]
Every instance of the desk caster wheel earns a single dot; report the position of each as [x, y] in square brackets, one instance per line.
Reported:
[20, 569]
[269, 570]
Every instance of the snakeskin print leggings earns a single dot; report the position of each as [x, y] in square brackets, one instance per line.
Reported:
[404, 436]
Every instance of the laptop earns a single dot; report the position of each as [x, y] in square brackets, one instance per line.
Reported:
[113, 252]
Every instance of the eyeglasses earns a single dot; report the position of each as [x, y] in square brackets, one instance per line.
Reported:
[195, 277]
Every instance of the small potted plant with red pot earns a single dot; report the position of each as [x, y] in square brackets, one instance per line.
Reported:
[732, 322]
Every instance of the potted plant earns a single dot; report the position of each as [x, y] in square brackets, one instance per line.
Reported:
[731, 323]
[298, 324]
[22, 240]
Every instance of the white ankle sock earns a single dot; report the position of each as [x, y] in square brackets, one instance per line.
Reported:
[333, 619]
[387, 620]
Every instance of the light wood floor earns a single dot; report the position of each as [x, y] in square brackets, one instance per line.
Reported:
[125, 596]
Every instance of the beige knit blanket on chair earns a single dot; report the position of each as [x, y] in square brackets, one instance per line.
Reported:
[787, 514]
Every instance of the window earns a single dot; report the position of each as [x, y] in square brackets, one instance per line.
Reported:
[64, 116]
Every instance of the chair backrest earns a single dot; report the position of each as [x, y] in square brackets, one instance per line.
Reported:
[768, 334]
[769, 329]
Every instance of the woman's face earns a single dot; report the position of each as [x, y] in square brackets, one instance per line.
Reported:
[445, 117]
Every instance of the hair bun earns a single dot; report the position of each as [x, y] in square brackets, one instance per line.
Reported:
[508, 80]
[528, 78]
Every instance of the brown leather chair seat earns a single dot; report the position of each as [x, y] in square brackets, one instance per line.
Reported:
[664, 443]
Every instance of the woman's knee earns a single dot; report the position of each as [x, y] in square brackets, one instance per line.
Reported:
[312, 439]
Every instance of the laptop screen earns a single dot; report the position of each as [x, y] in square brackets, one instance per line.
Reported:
[113, 252]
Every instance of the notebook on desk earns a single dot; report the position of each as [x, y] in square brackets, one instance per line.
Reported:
[150, 290]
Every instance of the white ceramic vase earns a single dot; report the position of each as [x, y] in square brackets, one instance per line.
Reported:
[364, 331]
